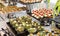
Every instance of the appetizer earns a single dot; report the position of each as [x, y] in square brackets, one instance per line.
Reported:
[30, 1]
[42, 13]
[10, 9]
[25, 22]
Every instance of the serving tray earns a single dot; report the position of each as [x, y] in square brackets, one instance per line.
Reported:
[24, 33]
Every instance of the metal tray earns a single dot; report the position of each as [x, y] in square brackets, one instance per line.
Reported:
[20, 14]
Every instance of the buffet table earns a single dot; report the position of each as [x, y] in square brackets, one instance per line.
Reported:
[3, 23]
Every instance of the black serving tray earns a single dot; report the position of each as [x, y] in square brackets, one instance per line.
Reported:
[25, 33]
[41, 20]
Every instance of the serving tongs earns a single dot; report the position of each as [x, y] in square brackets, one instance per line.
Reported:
[56, 19]
[2, 17]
